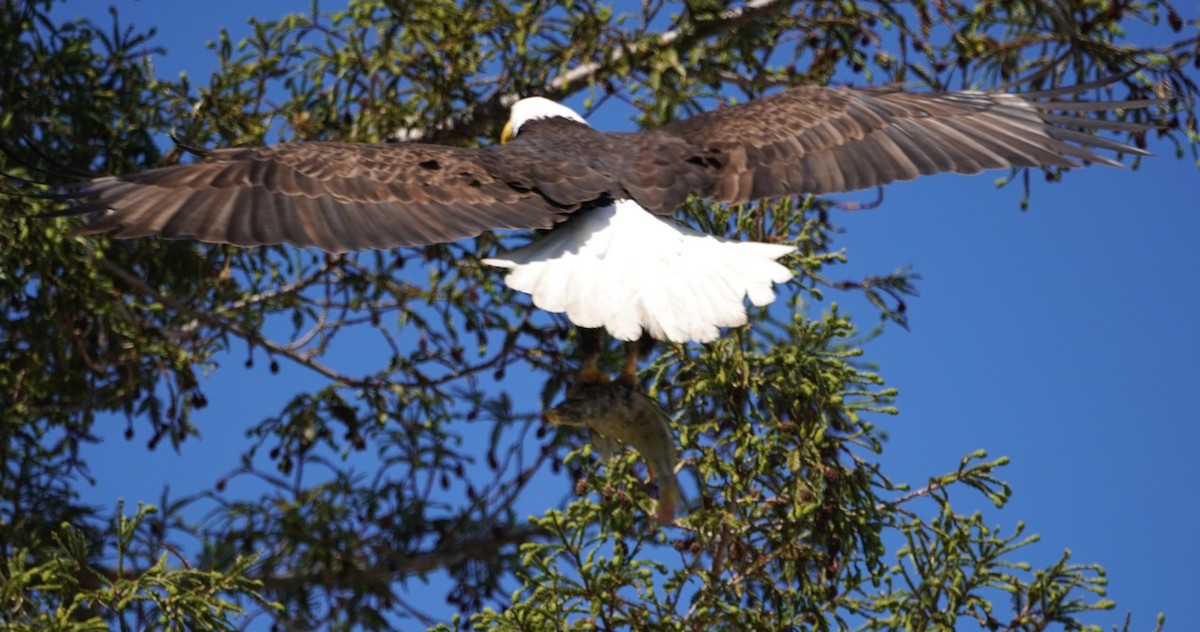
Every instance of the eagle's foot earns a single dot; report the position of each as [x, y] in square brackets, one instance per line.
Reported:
[591, 343]
[635, 351]
[590, 375]
[628, 378]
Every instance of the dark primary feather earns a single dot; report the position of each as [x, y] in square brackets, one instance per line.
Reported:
[805, 140]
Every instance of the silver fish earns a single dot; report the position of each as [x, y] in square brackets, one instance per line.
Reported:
[620, 413]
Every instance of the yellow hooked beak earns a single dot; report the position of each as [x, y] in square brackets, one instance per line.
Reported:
[506, 134]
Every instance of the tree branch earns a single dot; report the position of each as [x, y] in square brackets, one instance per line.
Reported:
[385, 569]
[252, 337]
[475, 121]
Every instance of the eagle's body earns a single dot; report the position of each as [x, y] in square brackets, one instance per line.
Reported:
[613, 258]
[621, 267]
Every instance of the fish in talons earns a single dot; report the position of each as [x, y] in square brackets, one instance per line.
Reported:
[622, 414]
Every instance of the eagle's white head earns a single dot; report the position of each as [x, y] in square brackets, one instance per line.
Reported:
[533, 108]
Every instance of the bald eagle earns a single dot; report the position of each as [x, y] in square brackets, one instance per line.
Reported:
[612, 257]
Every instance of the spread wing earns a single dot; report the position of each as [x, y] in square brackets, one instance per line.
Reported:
[813, 140]
[805, 140]
[335, 196]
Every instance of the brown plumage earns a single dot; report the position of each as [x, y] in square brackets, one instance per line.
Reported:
[345, 196]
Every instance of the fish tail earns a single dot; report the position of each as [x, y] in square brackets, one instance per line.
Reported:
[668, 498]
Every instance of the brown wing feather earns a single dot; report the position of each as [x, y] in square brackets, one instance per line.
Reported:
[820, 140]
[335, 196]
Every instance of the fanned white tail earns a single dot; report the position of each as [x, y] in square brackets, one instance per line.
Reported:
[627, 270]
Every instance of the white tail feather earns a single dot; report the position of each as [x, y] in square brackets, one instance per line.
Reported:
[624, 269]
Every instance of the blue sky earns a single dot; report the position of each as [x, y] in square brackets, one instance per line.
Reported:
[1062, 337]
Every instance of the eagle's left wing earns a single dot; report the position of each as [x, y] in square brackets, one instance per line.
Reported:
[335, 196]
